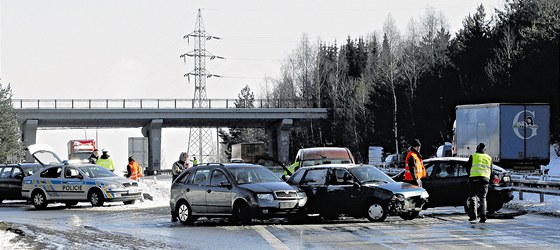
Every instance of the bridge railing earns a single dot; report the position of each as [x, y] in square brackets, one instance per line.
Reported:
[155, 103]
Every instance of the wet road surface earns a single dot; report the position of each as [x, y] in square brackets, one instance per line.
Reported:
[119, 226]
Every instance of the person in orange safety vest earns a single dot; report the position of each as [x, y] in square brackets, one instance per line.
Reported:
[414, 169]
[134, 171]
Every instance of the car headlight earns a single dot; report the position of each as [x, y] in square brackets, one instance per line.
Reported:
[424, 195]
[115, 186]
[268, 197]
[301, 195]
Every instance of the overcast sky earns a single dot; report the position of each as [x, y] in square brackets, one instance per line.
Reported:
[64, 49]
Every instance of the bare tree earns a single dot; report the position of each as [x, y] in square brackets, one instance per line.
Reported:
[389, 66]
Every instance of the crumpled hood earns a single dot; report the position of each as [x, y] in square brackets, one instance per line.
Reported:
[267, 187]
[406, 189]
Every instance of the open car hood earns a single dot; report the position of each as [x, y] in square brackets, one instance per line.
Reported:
[44, 154]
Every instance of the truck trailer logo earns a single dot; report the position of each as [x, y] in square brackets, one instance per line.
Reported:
[525, 120]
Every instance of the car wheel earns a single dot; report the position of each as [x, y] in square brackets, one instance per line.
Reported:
[410, 215]
[39, 200]
[96, 198]
[70, 204]
[185, 214]
[494, 206]
[129, 202]
[241, 213]
[376, 212]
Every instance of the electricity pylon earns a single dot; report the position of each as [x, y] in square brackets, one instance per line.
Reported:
[201, 143]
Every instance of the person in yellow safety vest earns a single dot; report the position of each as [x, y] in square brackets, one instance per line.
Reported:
[195, 161]
[106, 161]
[414, 169]
[479, 168]
[134, 171]
[292, 168]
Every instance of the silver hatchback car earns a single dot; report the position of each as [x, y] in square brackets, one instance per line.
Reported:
[239, 191]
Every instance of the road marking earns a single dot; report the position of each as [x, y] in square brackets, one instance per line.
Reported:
[271, 239]
[471, 241]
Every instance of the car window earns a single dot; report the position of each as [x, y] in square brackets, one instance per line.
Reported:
[296, 178]
[368, 173]
[429, 168]
[253, 174]
[53, 172]
[94, 171]
[461, 169]
[5, 172]
[71, 172]
[341, 177]
[16, 172]
[218, 177]
[315, 177]
[185, 177]
[30, 170]
[201, 177]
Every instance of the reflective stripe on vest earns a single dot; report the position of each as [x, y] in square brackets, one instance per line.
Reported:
[481, 165]
[420, 170]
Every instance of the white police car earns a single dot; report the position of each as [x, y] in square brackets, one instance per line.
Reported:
[67, 183]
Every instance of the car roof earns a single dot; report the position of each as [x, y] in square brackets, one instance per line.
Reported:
[463, 159]
[337, 165]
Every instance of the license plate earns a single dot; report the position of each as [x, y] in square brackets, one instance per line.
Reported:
[287, 204]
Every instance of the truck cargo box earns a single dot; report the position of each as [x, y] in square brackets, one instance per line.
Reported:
[516, 135]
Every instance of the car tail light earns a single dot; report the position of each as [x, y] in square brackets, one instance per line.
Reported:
[496, 179]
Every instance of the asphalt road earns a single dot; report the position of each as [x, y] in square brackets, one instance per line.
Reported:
[116, 226]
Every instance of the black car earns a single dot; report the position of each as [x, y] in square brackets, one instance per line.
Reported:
[11, 178]
[357, 191]
[447, 183]
[239, 191]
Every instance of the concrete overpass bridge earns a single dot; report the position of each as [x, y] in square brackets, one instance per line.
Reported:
[153, 115]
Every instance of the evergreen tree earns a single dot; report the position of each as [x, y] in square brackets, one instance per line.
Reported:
[10, 143]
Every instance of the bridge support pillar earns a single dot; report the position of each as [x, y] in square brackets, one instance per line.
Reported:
[283, 140]
[153, 132]
[29, 136]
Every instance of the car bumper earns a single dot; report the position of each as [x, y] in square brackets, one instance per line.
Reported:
[124, 195]
[278, 208]
[398, 206]
[505, 194]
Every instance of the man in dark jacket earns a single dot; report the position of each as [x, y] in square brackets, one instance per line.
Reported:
[94, 156]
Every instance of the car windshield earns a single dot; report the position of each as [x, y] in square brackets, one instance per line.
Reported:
[93, 171]
[251, 174]
[370, 174]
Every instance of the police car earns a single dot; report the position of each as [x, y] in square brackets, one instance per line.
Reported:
[68, 183]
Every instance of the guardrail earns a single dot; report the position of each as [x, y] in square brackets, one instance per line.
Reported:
[156, 103]
[538, 184]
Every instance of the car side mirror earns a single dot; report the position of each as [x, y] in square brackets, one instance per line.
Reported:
[286, 177]
[19, 176]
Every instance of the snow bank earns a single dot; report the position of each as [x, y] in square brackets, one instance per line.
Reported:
[554, 165]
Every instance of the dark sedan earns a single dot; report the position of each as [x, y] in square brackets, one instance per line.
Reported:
[358, 191]
[11, 178]
[447, 183]
[239, 191]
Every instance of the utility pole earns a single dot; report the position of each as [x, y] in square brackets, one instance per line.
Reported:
[201, 144]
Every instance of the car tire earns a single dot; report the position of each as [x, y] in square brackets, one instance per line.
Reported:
[241, 213]
[376, 212]
[129, 202]
[184, 213]
[39, 200]
[494, 206]
[410, 215]
[70, 204]
[96, 198]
